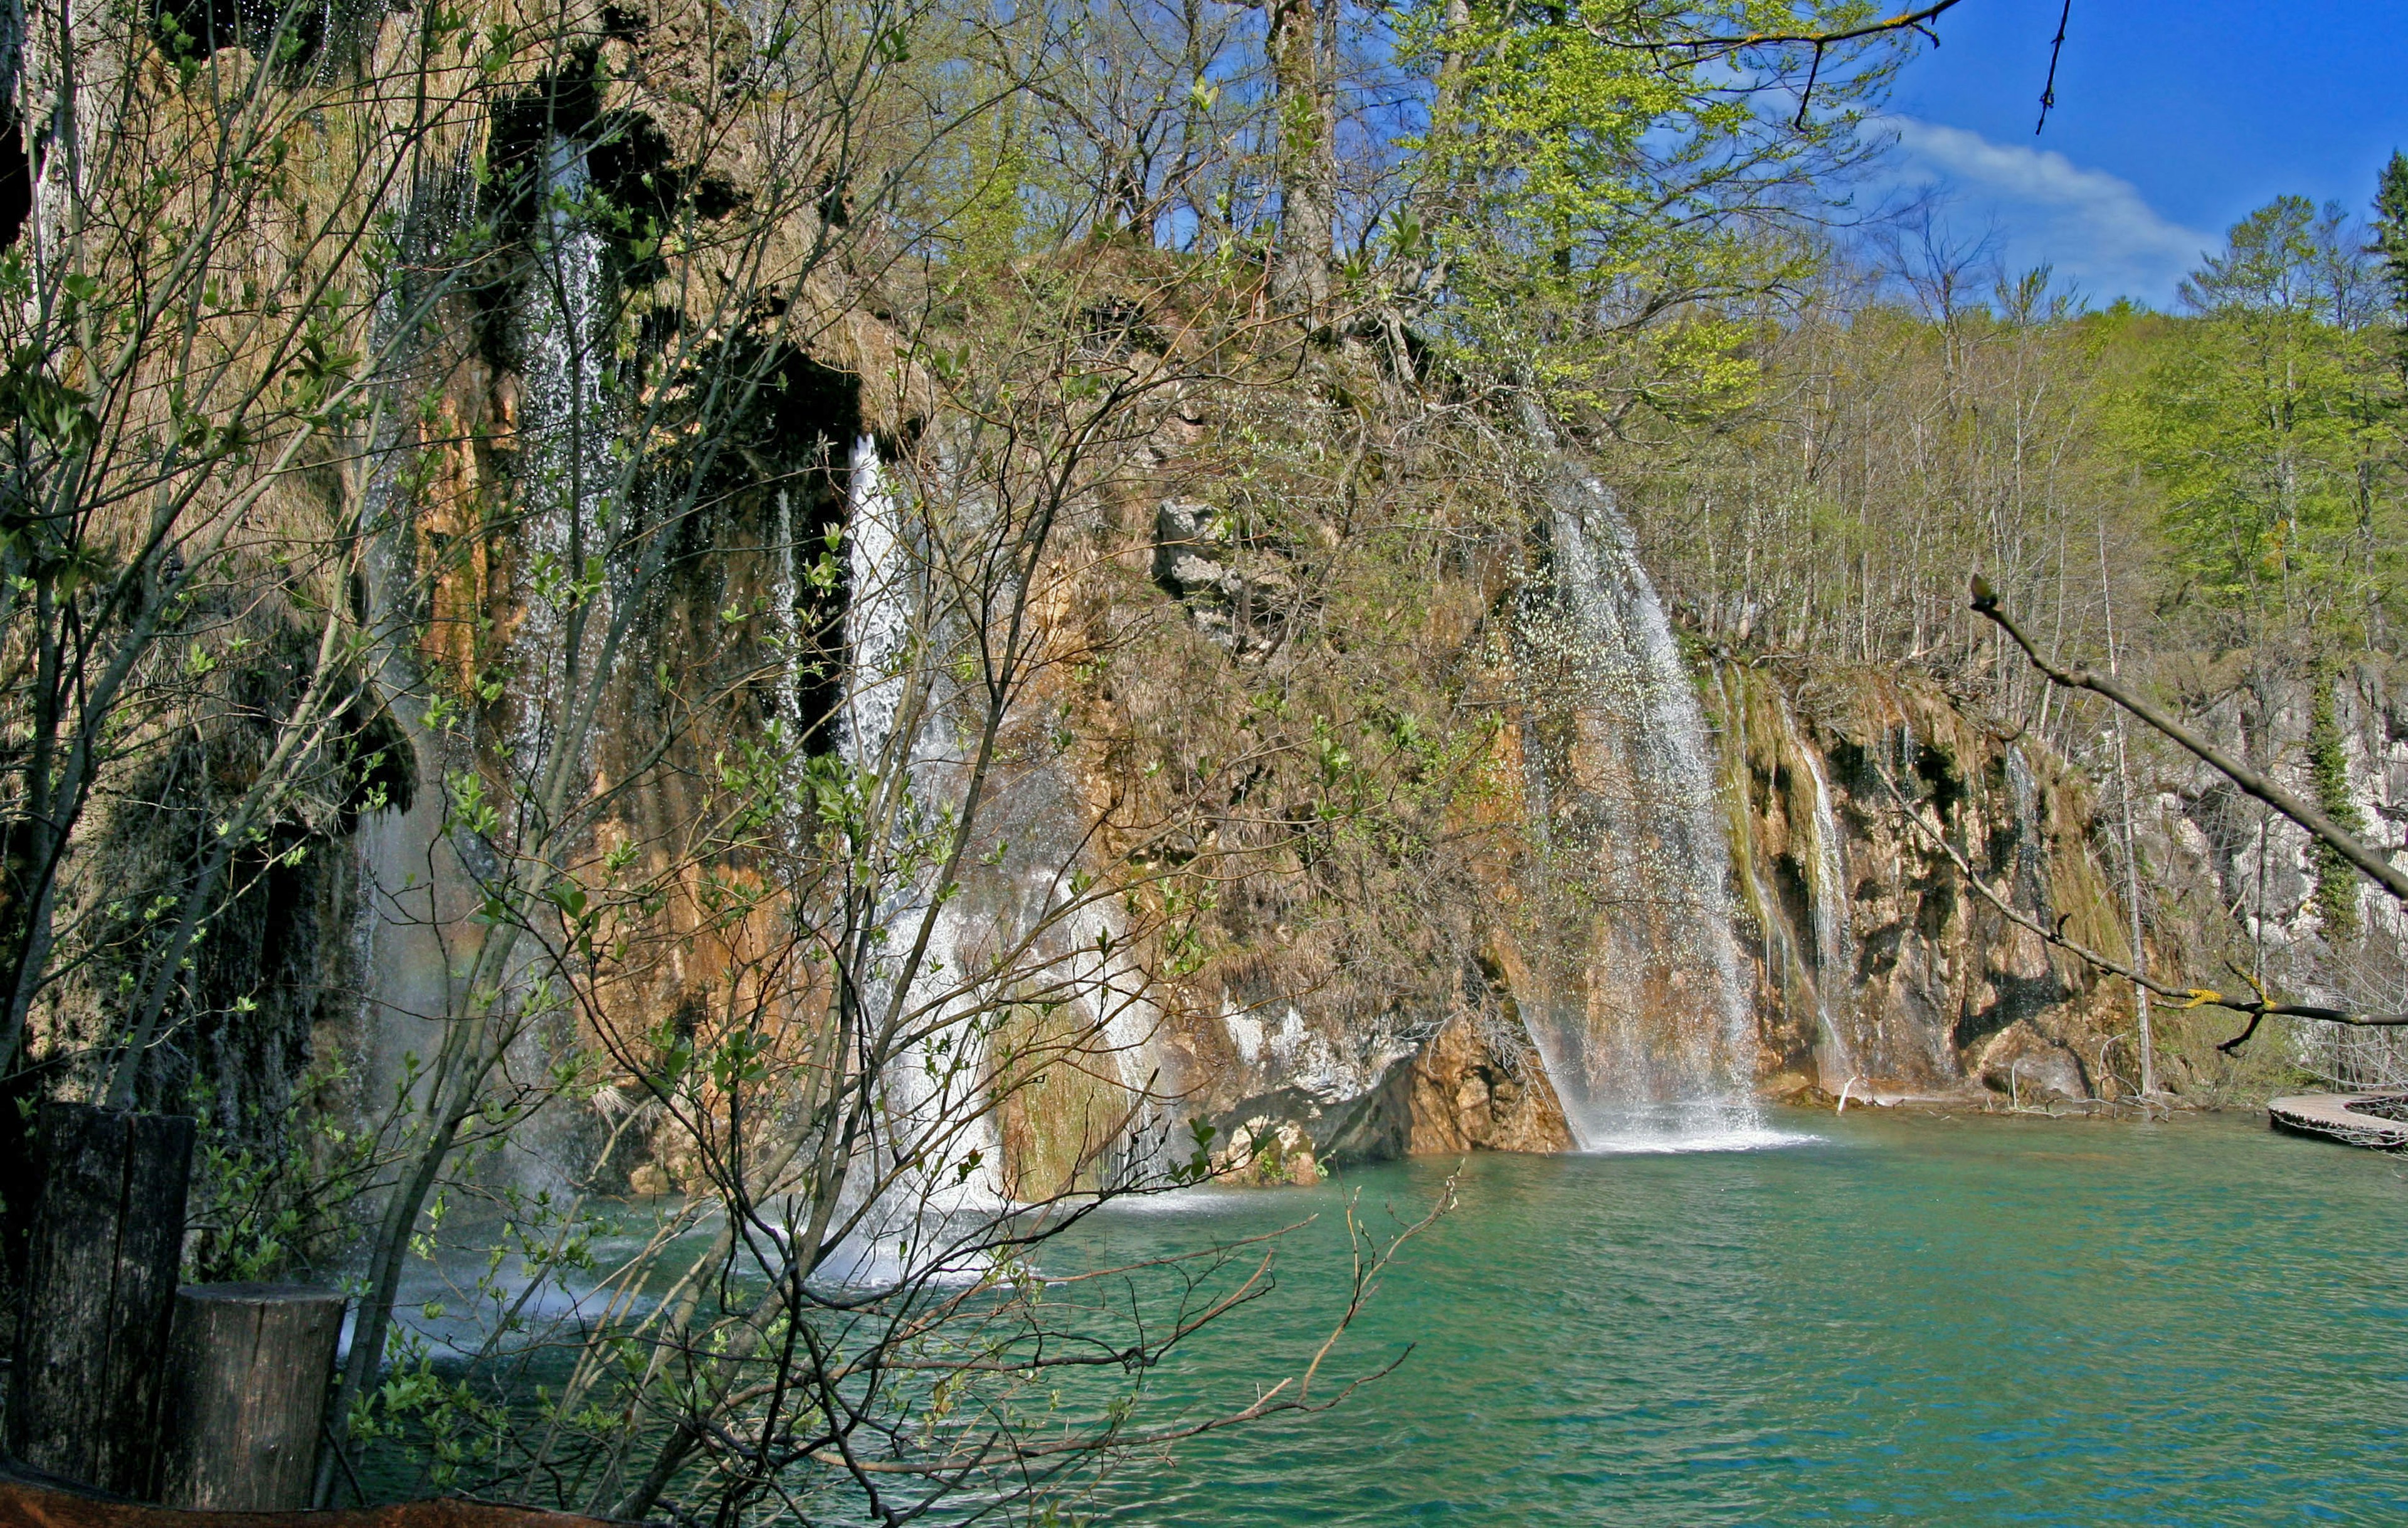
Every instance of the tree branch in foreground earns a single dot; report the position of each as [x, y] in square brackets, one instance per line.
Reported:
[2180, 998]
[2372, 862]
[2368, 860]
[1908, 20]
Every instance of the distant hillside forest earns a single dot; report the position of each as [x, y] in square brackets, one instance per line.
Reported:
[2215, 497]
[2229, 476]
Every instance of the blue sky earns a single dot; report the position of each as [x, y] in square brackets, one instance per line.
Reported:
[2172, 119]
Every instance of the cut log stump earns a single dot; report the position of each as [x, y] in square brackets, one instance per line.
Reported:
[107, 1238]
[248, 1372]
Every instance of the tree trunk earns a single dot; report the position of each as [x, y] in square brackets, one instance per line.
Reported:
[1306, 161]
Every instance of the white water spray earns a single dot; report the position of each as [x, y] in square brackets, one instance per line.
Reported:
[1834, 953]
[877, 612]
[1661, 1056]
[931, 1091]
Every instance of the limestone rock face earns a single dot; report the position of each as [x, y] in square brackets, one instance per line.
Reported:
[1464, 1096]
[2020, 1063]
[1878, 965]
[1458, 1092]
[1370, 1126]
[1237, 610]
[1263, 1152]
[1184, 548]
[1858, 805]
[1364, 1017]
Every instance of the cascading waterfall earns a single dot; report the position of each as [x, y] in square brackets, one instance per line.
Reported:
[934, 1083]
[1034, 840]
[568, 432]
[414, 891]
[1661, 1054]
[568, 439]
[417, 896]
[877, 610]
[1034, 831]
[1834, 957]
[2024, 791]
[397, 941]
[786, 613]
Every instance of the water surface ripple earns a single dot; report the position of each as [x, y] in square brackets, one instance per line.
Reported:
[1902, 1320]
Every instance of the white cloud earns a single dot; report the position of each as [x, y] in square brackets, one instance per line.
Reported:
[2092, 226]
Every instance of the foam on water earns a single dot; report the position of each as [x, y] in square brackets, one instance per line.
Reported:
[1202, 1200]
[871, 1265]
[1737, 1137]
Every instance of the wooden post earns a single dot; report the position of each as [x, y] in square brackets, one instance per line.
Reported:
[108, 1237]
[249, 1367]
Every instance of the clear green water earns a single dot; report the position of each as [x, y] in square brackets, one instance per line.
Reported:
[1906, 1320]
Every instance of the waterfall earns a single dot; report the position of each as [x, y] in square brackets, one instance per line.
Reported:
[786, 615]
[1662, 1052]
[567, 433]
[877, 612]
[418, 882]
[1834, 957]
[917, 1096]
[933, 1081]
[2030, 875]
[566, 444]
[1033, 830]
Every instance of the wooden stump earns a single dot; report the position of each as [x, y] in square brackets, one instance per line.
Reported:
[106, 1239]
[246, 1396]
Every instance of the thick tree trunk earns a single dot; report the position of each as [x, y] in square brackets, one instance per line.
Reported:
[1306, 160]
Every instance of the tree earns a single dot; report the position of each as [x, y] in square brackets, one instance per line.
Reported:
[2391, 233]
[1608, 189]
[2259, 424]
[197, 333]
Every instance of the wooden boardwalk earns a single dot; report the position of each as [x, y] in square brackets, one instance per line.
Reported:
[2332, 1117]
[32, 1506]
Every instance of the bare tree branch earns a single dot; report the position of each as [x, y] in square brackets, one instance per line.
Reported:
[1905, 20]
[2370, 862]
[2258, 1008]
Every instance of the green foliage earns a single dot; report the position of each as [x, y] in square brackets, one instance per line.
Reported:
[1605, 189]
[2337, 879]
[262, 1213]
[2271, 423]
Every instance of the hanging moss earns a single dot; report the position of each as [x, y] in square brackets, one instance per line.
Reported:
[2329, 771]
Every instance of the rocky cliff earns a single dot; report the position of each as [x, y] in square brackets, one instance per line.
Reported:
[1351, 780]
[1879, 969]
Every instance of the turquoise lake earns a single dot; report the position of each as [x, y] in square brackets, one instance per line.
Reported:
[1889, 1320]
